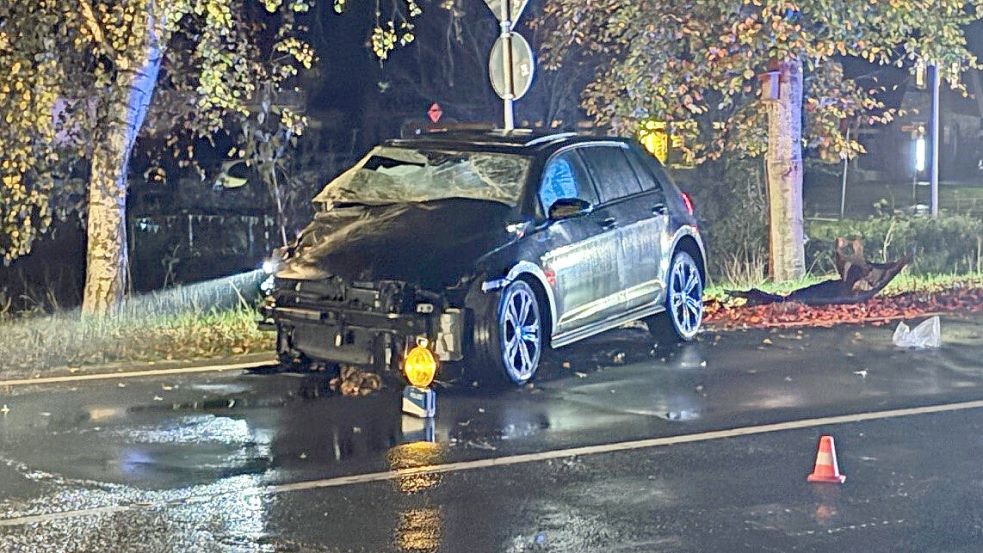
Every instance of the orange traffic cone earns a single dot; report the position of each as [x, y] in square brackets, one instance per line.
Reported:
[826, 468]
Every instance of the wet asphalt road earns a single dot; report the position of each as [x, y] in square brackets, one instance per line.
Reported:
[258, 462]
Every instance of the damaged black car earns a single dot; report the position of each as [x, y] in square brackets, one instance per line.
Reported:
[487, 248]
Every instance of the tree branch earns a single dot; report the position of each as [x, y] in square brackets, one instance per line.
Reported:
[93, 25]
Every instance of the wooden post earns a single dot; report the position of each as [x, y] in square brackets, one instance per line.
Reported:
[784, 168]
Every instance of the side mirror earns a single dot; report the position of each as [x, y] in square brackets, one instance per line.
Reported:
[568, 208]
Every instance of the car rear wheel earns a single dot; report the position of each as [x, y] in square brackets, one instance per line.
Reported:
[684, 301]
[512, 341]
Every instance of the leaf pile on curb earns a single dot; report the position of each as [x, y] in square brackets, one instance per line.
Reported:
[729, 315]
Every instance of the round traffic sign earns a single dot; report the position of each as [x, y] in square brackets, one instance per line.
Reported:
[520, 64]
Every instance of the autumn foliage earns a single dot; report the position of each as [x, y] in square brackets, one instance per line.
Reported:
[729, 315]
[696, 63]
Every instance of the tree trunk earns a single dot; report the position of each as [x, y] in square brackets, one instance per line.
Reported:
[784, 163]
[106, 255]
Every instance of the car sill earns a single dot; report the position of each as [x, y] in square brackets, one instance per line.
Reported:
[578, 334]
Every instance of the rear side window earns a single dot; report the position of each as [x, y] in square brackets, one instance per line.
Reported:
[650, 181]
[565, 177]
[612, 173]
[653, 166]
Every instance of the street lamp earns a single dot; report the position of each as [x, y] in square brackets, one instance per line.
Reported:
[919, 154]
[934, 175]
[932, 70]
[920, 158]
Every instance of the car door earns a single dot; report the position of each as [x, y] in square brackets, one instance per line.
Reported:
[581, 252]
[646, 237]
[621, 195]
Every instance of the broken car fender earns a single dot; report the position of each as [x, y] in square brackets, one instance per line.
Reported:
[517, 270]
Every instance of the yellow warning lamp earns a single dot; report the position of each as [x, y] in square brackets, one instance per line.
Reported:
[654, 137]
[420, 365]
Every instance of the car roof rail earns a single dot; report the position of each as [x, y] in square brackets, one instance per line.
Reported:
[550, 138]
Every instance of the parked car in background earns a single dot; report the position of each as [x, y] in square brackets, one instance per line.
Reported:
[488, 247]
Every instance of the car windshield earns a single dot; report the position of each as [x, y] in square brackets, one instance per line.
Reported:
[401, 175]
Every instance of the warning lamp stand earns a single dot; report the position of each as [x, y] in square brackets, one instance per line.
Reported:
[419, 402]
[417, 430]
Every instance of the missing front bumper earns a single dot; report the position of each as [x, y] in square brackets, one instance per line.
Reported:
[364, 338]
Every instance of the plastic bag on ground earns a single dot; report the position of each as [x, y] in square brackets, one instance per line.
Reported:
[926, 335]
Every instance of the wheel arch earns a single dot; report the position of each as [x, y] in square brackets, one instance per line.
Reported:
[536, 278]
[687, 239]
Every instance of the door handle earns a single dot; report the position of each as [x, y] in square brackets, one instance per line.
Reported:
[608, 223]
[659, 209]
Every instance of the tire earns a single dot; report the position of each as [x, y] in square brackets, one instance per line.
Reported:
[684, 302]
[509, 335]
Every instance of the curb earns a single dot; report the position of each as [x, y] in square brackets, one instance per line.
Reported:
[143, 368]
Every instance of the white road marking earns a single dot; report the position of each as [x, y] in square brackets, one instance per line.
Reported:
[48, 517]
[534, 457]
[137, 374]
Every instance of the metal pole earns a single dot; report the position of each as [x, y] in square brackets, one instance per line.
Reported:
[914, 192]
[846, 165]
[506, 34]
[934, 175]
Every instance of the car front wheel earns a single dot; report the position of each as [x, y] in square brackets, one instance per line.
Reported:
[520, 332]
[684, 301]
[509, 337]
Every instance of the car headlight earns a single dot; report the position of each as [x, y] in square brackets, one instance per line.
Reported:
[267, 285]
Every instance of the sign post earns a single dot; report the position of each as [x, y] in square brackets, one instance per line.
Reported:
[511, 65]
[508, 99]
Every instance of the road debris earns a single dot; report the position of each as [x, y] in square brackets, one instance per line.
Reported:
[860, 280]
[352, 381]
[926, 335]
[480, 444]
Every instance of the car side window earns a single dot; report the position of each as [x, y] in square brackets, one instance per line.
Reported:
[612, 173]
[565, 177]
[650, 180]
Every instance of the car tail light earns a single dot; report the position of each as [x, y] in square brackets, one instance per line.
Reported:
[688, 202]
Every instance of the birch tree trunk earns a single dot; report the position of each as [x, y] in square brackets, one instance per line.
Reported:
[784, 167]
[106, 250]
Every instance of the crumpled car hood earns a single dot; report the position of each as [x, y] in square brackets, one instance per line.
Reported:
[428, 244]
